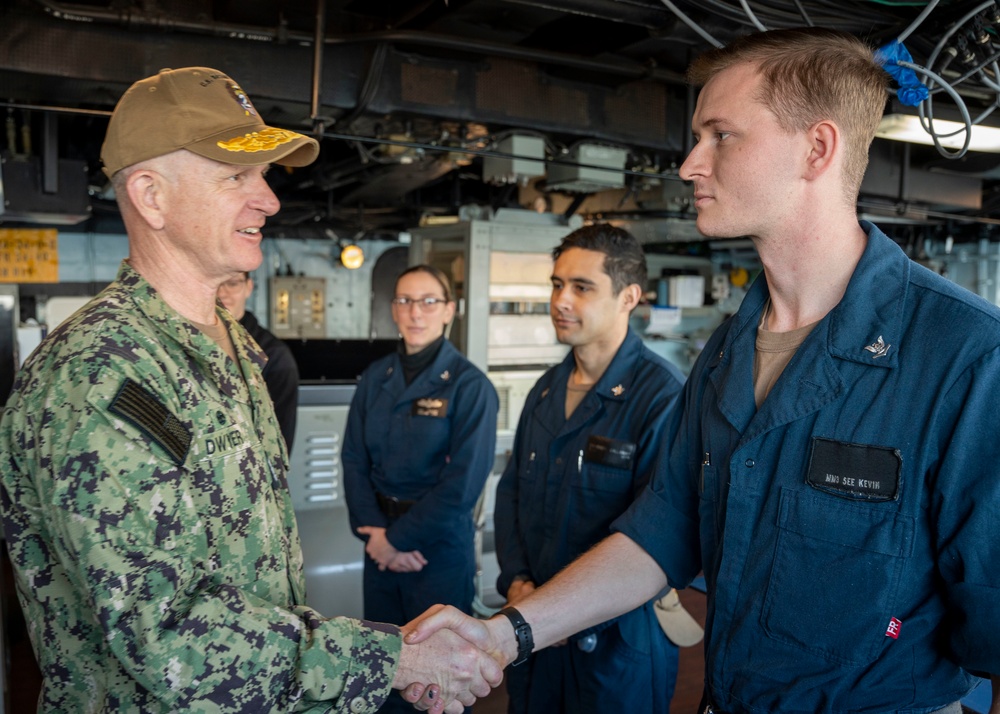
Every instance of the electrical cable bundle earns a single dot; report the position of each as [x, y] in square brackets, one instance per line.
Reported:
[963, 63]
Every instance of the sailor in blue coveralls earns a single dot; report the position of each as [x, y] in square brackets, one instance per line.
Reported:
[419, 445]
[585, 444]
[832, 465]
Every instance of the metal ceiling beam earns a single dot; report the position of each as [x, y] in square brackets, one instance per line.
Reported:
[140, 21]
[651, 14]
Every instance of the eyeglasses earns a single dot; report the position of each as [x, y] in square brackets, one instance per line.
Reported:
[425, 304]
[234, 284]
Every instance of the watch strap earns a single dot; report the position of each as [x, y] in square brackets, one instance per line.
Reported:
[522, 631]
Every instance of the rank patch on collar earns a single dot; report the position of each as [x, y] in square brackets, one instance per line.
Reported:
[609, 452]
[430, 406]
[141, 408]
[859, 471]
[878, 348]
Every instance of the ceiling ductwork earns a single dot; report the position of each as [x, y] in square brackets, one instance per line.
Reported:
[415, 103]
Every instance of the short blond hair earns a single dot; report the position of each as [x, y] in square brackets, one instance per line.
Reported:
[810, 74]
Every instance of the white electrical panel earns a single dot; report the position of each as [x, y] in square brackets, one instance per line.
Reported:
[298, 307]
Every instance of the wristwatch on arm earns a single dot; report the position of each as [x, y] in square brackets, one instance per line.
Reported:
[522, 631]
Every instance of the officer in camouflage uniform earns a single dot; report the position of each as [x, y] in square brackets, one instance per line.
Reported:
[144, 497]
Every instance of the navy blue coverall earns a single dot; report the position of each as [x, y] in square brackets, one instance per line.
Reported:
[431, 443]
[565, 483]
[847, 529]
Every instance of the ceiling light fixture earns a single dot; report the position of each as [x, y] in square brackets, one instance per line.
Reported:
[352, 257]
[951, 134]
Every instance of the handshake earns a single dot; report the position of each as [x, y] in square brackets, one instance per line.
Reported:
[450, 659]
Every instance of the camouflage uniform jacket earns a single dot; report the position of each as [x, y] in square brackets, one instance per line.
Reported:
[146, 510]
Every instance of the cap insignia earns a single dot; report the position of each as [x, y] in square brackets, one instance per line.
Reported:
[243, 99]
[267, 139]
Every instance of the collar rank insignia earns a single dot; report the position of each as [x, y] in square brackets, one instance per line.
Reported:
[618, 390]
[446, 375]
[878, 348]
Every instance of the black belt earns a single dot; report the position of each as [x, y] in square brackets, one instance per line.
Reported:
[393, 507]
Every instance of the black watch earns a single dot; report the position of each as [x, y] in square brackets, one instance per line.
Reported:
[522, 631]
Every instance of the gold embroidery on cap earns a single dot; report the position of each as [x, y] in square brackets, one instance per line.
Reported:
[264, 140]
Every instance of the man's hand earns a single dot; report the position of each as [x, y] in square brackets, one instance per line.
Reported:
[519, 589]
[495, 636]
[442, 671]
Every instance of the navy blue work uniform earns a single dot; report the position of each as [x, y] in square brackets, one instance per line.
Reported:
[565, 483]
[430, 444]
[847, 528]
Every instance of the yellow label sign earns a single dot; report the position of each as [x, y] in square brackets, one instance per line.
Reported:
[29, 256]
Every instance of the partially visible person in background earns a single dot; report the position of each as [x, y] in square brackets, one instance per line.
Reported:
[420, 441]
[281, 373]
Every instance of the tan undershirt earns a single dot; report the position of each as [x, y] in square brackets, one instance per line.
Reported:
[574, 394]
[220, 335]
[774, 350]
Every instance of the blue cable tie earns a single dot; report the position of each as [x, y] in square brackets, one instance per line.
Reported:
[911, 90]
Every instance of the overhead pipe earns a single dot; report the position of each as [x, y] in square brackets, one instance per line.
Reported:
[317, 73]
[57, 109]
[634, 12]
[87, 13]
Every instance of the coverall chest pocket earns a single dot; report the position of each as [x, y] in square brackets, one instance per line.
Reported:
[433, 427]
[837, 565]
[599, 494]
[605, 480]
[605, 465]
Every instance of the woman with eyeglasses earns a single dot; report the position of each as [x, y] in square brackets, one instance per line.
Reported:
[419, 445]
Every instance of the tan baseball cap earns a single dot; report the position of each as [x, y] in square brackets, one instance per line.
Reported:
[204, 111]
